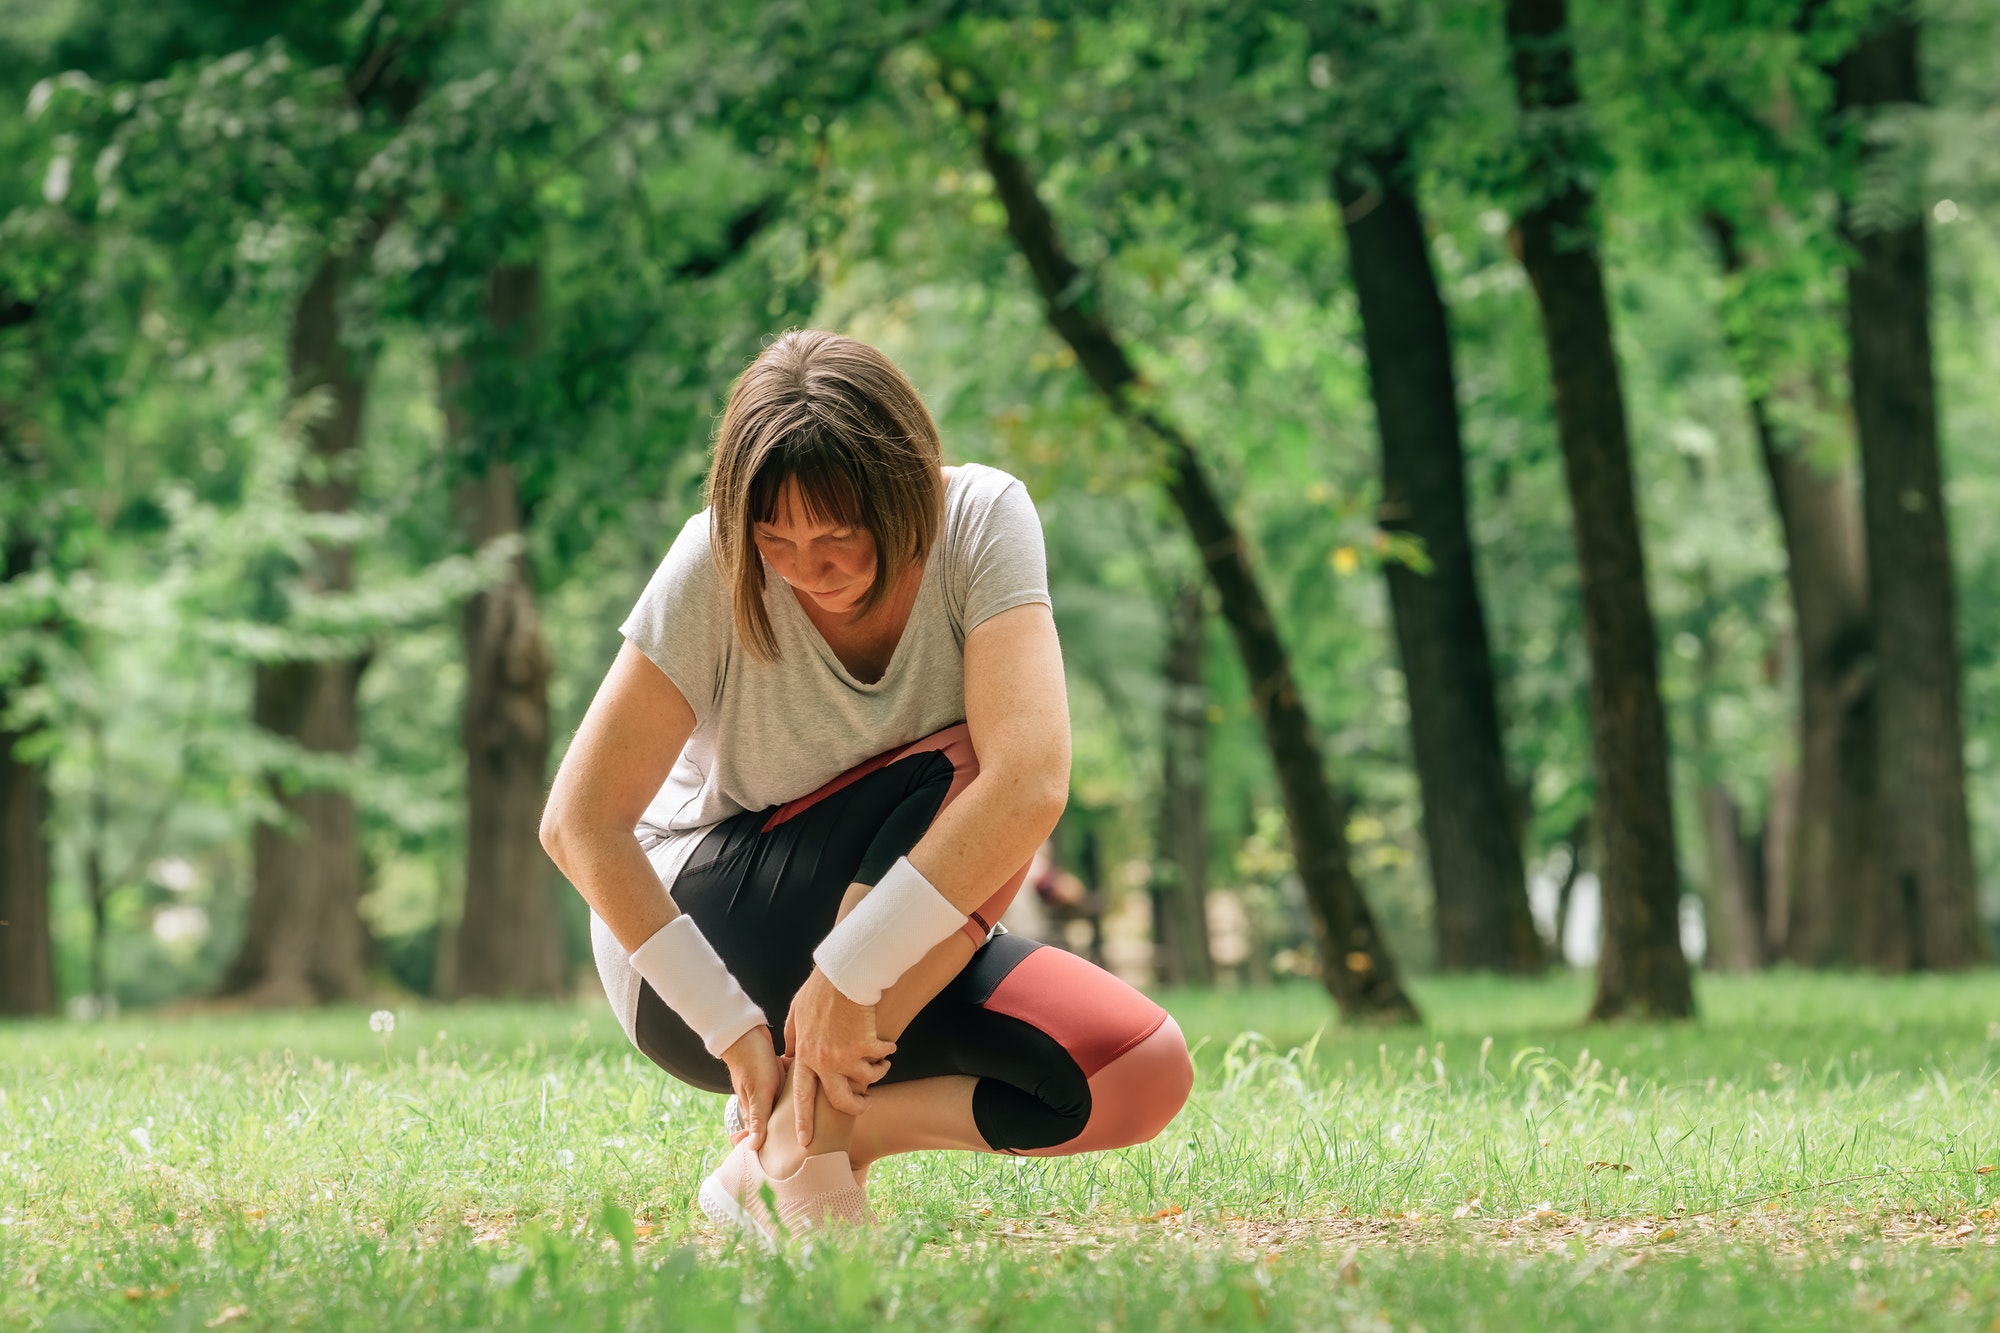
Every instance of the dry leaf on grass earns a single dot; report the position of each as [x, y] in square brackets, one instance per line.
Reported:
[230, 1314]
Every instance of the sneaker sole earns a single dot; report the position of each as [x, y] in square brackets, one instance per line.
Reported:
[724, 1211]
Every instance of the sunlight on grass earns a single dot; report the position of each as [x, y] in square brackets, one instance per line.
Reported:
[1813, 1146]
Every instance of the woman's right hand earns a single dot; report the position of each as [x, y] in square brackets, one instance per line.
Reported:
[836, 1050]
[756, 1074]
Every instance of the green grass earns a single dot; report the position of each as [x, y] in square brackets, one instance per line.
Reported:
[1807, 1155]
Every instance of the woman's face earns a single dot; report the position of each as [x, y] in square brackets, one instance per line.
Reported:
[833, 564]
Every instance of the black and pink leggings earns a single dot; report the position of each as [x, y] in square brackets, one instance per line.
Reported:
[1068, 1057]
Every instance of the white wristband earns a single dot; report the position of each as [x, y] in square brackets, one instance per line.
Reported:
[903, 918]
[684, 968]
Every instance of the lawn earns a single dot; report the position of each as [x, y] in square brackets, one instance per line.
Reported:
[1810, 1154]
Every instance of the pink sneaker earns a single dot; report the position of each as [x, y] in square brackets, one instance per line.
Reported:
[820, 1193]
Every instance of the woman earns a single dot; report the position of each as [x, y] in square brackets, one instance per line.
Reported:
[814, 777]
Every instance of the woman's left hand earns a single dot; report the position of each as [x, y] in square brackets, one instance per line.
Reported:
[756, 1073]
[835, 1044]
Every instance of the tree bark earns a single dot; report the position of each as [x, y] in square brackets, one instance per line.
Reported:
[305, 940]
[1733, 902]
[27, 943]
[1825, 903]
[1180, 867]
[1641, 969]
[1735, 934]
[1358, 969]
[1483, 919]
[27, 947]
[1579, 849]
[509, 936]
[1924, 834]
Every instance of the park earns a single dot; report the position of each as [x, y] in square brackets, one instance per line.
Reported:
[1296, 666]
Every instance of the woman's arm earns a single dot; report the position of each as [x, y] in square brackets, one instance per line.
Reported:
[618, 760]
[634, 731]
[1017, 710]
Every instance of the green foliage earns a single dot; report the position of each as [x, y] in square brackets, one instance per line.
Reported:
[686, 182]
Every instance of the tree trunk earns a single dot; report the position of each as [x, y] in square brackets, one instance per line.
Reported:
[1825, 900]
[1641, 970]
[1735, 933]
[1180, 867]
[27, 948]
[1358, 969]
[305, 938]
[1483, 920]
[1781, 817]
[1733, 902]
[509, 936]
[1579, 849]
[1924, 836]
[97, 888]
[509, 933]
[27, 945]
[1833, 892]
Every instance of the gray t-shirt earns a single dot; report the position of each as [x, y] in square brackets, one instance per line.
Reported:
[770, 732]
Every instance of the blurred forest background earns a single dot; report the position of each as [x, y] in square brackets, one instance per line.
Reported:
[1517, 483]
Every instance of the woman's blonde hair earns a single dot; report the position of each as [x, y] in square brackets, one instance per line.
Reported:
[836, 416]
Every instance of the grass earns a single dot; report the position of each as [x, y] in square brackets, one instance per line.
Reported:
[1808, 1155]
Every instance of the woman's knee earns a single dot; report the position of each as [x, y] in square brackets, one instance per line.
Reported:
[1135, 1096]
[1141, 1091]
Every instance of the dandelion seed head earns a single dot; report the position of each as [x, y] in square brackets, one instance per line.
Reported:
[382, 1021]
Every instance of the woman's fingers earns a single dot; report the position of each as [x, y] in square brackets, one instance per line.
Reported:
[863, 1072]
[756, 1111]
[804, 1087]
[841, 1095]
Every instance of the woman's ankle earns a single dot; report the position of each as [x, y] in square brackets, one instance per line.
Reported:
[780, 1157]
[782, 1154]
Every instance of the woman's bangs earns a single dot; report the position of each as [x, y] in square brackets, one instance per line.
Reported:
[828, 489]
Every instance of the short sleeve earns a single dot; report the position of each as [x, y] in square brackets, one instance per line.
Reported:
[1002, 559]
[682, 621]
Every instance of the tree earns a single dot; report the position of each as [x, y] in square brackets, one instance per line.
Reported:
[305, 939]
[509, 941]
[1356, 965]
[1469, 826]
[1482, 913]
[27, 955]
[1641, 969]
[1824, 905]
[1924, 849]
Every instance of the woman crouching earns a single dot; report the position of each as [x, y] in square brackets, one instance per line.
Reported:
[809, 786]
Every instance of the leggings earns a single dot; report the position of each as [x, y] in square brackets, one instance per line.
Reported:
[1068, 1058]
